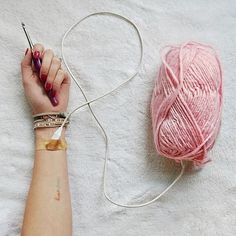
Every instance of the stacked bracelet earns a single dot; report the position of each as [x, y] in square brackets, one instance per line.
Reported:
[49, 119]
[45, 115]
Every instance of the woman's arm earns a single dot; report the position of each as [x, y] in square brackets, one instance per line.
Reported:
[48, 207]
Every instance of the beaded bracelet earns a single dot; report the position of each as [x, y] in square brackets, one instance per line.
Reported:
[46, 115]
[48, 124]
[49, 119]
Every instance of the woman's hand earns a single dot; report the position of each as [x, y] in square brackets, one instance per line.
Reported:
[53, 76]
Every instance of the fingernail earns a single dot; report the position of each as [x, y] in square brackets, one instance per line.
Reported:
[53, 98]
[43, 77]
[26, 51]
[53, 93]
[36, 54]
[54, 101]
[48, 86]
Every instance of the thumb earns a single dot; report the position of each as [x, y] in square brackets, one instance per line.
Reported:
[26, 65]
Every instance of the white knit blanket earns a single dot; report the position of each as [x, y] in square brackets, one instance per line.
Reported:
[102, 52]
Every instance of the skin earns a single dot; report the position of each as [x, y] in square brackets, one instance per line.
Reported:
[48, 206]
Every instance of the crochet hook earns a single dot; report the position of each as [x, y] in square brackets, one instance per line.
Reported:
[37, 64]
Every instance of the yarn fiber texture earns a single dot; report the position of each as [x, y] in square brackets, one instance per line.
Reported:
[186, 103]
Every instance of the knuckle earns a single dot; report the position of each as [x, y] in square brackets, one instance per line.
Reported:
[56, 85]
[68, 81]
[60, 73]
[67, 77]
[43, 73]
[48, 52]
[49, 79]
[23, 65]
[56, 61]
[44, 70]
[58, 80]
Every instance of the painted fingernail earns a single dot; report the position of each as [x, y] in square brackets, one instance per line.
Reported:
[26, 51]
[43, 77]
[54, 101]
[48, 86]
[36, 54]
[53, 93]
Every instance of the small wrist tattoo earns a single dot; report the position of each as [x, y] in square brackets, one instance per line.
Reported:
[58, 193]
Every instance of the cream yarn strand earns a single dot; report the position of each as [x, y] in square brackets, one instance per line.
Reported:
[57, 133]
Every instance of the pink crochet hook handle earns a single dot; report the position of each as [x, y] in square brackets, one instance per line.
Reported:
[37, 64]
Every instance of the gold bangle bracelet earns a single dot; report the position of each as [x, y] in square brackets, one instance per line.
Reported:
[50, 144]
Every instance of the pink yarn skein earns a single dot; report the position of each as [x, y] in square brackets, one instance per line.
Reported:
[187, 103]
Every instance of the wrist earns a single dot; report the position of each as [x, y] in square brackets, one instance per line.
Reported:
[46, 133]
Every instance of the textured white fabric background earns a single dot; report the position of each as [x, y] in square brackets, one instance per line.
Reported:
[102, 52]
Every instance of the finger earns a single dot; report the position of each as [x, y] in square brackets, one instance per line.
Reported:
[58, 81]
[26, 65]
[67, 80]
[55, 66]
[38, 50]
[65, 87]
[46, 63]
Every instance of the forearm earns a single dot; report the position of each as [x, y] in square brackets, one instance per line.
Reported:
[48, 207]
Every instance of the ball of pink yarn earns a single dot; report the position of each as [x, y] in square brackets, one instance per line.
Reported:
[187, 103]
